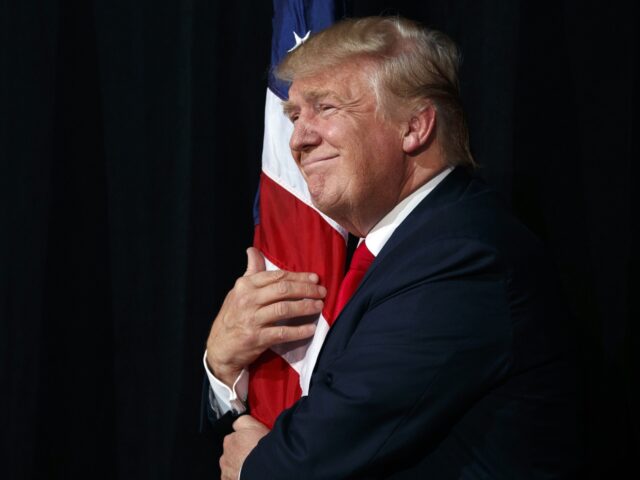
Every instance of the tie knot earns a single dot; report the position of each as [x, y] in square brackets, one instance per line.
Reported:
[362, 258]
[360, 262]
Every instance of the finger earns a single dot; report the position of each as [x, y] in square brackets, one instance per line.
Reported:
[288, 290]
[255, 261]
[284, 334]
[247, 421]
[262, 279]
[287, 310]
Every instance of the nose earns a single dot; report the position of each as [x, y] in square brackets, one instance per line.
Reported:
[304, 137]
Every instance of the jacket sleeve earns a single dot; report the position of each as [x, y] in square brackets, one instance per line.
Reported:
[212, 422]
[416, 360]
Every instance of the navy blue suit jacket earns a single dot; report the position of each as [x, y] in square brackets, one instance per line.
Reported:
[450, 361]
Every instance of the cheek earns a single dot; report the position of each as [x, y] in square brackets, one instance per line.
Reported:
[366, 155]
[332, 131]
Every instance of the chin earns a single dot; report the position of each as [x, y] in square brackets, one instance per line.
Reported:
[327, 201]
[318, 195]
[321, 204]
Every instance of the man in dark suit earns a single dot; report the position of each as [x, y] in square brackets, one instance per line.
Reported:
[451, 360]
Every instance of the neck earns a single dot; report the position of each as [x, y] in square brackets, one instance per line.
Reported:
[418, 175]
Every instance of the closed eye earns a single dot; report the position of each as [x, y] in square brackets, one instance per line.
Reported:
[325, 107]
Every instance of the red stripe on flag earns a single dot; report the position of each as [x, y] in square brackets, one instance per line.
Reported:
[294, 236]
[274, 387]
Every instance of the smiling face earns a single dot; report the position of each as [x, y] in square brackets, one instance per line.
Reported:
[351, 157]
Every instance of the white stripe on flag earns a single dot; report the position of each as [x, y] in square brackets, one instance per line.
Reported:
[302, 355]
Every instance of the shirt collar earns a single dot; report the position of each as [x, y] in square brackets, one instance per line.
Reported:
[383, 230]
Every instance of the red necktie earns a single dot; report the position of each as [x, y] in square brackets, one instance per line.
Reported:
[360, 262]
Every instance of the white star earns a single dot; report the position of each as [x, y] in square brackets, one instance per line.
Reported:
[299, 41]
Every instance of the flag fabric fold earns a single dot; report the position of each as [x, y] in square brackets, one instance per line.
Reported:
[290, 232]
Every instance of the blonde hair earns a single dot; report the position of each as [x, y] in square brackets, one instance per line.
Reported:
[411, 64]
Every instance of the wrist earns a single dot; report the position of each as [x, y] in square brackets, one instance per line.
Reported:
[224, 372]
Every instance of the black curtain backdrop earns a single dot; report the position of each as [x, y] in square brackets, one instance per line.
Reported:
[130, 139]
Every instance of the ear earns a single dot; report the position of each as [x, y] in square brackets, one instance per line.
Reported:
[420, 129]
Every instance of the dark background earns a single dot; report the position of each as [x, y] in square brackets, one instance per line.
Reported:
[130, 136]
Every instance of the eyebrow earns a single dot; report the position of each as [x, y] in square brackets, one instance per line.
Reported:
[288, 107]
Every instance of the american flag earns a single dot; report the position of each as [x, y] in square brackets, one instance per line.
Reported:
[290, 232]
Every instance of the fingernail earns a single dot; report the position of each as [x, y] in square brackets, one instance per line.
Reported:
[322, 290]
[313, 277]
[319, 304]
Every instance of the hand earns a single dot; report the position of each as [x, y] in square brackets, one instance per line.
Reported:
[247, 433]
[250, 319]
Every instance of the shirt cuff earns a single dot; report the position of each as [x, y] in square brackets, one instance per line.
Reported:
[229, 398]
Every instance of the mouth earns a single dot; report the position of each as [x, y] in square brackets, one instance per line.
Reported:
[308, 162]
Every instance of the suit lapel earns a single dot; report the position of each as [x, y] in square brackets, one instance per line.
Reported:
[450, 190]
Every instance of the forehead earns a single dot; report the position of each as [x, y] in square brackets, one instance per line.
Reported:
[345, 82]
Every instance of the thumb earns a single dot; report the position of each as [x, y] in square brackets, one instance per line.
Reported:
[255, 261]
[247, 422]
